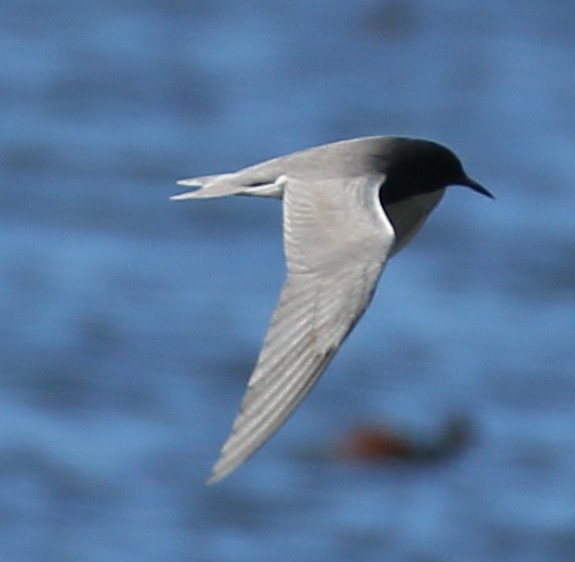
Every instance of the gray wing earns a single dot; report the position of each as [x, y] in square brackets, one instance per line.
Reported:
[337, 239]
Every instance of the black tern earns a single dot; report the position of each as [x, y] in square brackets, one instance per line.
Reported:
[348, 207]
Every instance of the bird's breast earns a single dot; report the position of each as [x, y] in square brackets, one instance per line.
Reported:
[408, 215]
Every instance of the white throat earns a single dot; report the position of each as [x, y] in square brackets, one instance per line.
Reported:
[408, 215]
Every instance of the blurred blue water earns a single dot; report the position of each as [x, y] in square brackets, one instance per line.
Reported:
[129, 324]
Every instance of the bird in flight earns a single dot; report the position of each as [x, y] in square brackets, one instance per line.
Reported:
[348, 207]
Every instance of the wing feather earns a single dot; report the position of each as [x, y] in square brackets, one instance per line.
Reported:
[337, 240]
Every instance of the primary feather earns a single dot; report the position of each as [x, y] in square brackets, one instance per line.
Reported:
[323, 297]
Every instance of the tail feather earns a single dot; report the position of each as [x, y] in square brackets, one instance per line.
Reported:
[231, 184]
[209, 186]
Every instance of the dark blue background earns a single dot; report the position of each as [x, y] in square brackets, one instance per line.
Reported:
[129, 324]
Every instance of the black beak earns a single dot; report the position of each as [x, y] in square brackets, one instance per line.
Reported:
[468, 182]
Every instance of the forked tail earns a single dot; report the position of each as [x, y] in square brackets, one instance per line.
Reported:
[232, 184]
[209, 186]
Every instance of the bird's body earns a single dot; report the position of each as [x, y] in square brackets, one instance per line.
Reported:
[347, 207]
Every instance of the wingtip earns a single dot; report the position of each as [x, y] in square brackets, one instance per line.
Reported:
[217, 475]
[221, 470]
[213, 479]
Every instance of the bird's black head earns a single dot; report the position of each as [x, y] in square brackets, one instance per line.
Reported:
[414, 167]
